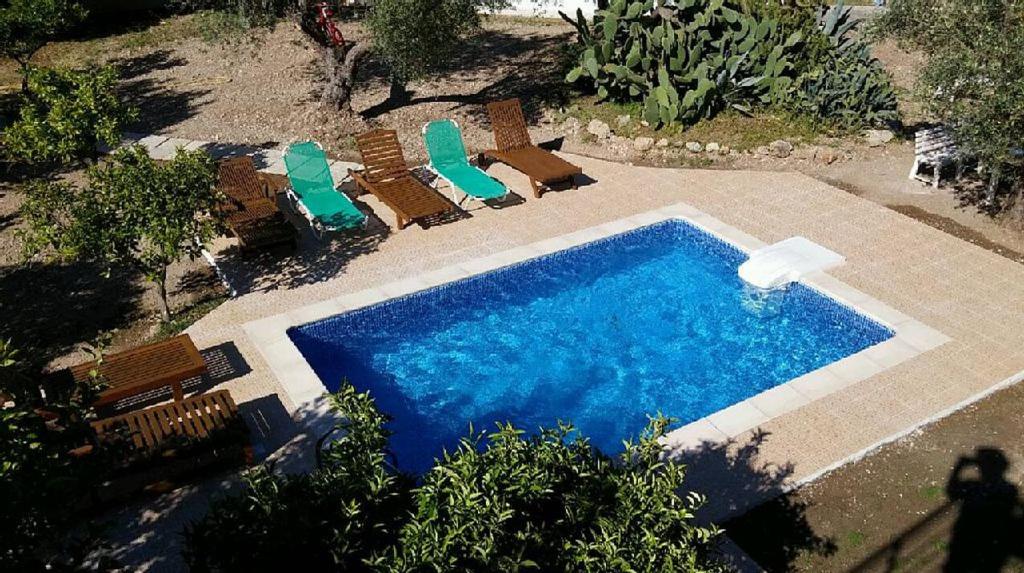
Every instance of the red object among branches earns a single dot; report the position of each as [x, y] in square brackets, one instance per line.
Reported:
[326, 24]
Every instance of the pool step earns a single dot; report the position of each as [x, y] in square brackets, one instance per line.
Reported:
[785, 262]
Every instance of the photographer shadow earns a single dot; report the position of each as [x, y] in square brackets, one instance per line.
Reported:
[989, 528]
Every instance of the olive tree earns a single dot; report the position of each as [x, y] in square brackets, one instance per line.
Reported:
[971, 79]
[412, 37]
[132, 212]
[65, 114]
[28, 25]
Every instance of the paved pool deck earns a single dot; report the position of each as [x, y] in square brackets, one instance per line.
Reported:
[972, 298]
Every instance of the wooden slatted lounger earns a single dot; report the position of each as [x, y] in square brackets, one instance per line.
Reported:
[514, 148]
[147, 368]
[251, 212]
[387, 176]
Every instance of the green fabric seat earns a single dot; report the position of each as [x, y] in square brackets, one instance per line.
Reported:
[313, 188]
[448, 159]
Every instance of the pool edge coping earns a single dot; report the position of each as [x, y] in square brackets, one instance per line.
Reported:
[910, 339]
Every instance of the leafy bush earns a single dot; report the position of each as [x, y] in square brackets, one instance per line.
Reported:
[133, 211]
[66, 114]
[334, 518]
[847, 87]
[502, 502]
[40, 484]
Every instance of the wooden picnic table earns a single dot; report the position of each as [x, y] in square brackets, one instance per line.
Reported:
[147, 368]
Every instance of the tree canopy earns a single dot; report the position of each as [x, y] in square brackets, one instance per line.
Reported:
[65, 114]
[133, 212]
[971, 79]
[28, 25]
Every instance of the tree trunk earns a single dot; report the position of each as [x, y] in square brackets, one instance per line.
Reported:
[341, 66]
[399, 93]
[24, 76]
[161, 290]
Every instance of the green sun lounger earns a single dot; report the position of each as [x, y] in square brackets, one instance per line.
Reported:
[313, 193]
[449, 162]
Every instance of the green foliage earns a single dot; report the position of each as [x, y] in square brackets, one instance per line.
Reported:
[685, 61]
[502, 502]
[552, 502]
[847, 88]
[39, 482]
[971, 79]
[692, 59]
[27, 25]
[415, 37]
[333, 519]
[133, 212]
[65, 114]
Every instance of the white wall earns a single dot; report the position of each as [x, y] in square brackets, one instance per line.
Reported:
[551, 7]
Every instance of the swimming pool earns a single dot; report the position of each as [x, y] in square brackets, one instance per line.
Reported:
[601, 335]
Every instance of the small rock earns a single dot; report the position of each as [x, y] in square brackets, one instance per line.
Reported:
[623, 120]
[780, 148]
[878, 137]
[712, 147]
[827, 155]
[571, 125]
[725, 150]
[663, 142]
[644, 123]
[599, 129]
[643, 143]
[694, 147]
[763, 150]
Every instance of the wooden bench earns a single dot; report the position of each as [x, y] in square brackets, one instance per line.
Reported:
[144, 369]
[515, 149]
[387, 176]
[151, 448]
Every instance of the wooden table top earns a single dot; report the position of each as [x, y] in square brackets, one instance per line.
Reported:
[145, 368]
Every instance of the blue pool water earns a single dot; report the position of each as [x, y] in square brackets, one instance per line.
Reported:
[601, 335]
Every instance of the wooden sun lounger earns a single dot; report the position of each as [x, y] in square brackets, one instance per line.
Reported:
[143, 369]
[387, 176]
[251, 212]
[515, 149]
[161, 443]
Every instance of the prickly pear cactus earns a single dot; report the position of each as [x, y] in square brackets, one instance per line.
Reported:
[685, 59]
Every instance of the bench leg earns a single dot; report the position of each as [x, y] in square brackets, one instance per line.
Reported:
[401, 222]
[536, 188]
[573, 183]
[176, 390]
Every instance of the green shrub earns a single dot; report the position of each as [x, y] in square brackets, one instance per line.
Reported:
[503, 501]
[847, 87]
[65, 114]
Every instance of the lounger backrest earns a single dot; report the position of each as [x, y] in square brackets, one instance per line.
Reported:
[308, 171]
[382, 155]
[237, 178]
[509, 125]
[444, 143]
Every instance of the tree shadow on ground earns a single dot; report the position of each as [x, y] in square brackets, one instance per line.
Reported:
[160, 103]
[314, 260]
[48, 308]
[734, 479]
[509, 56]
